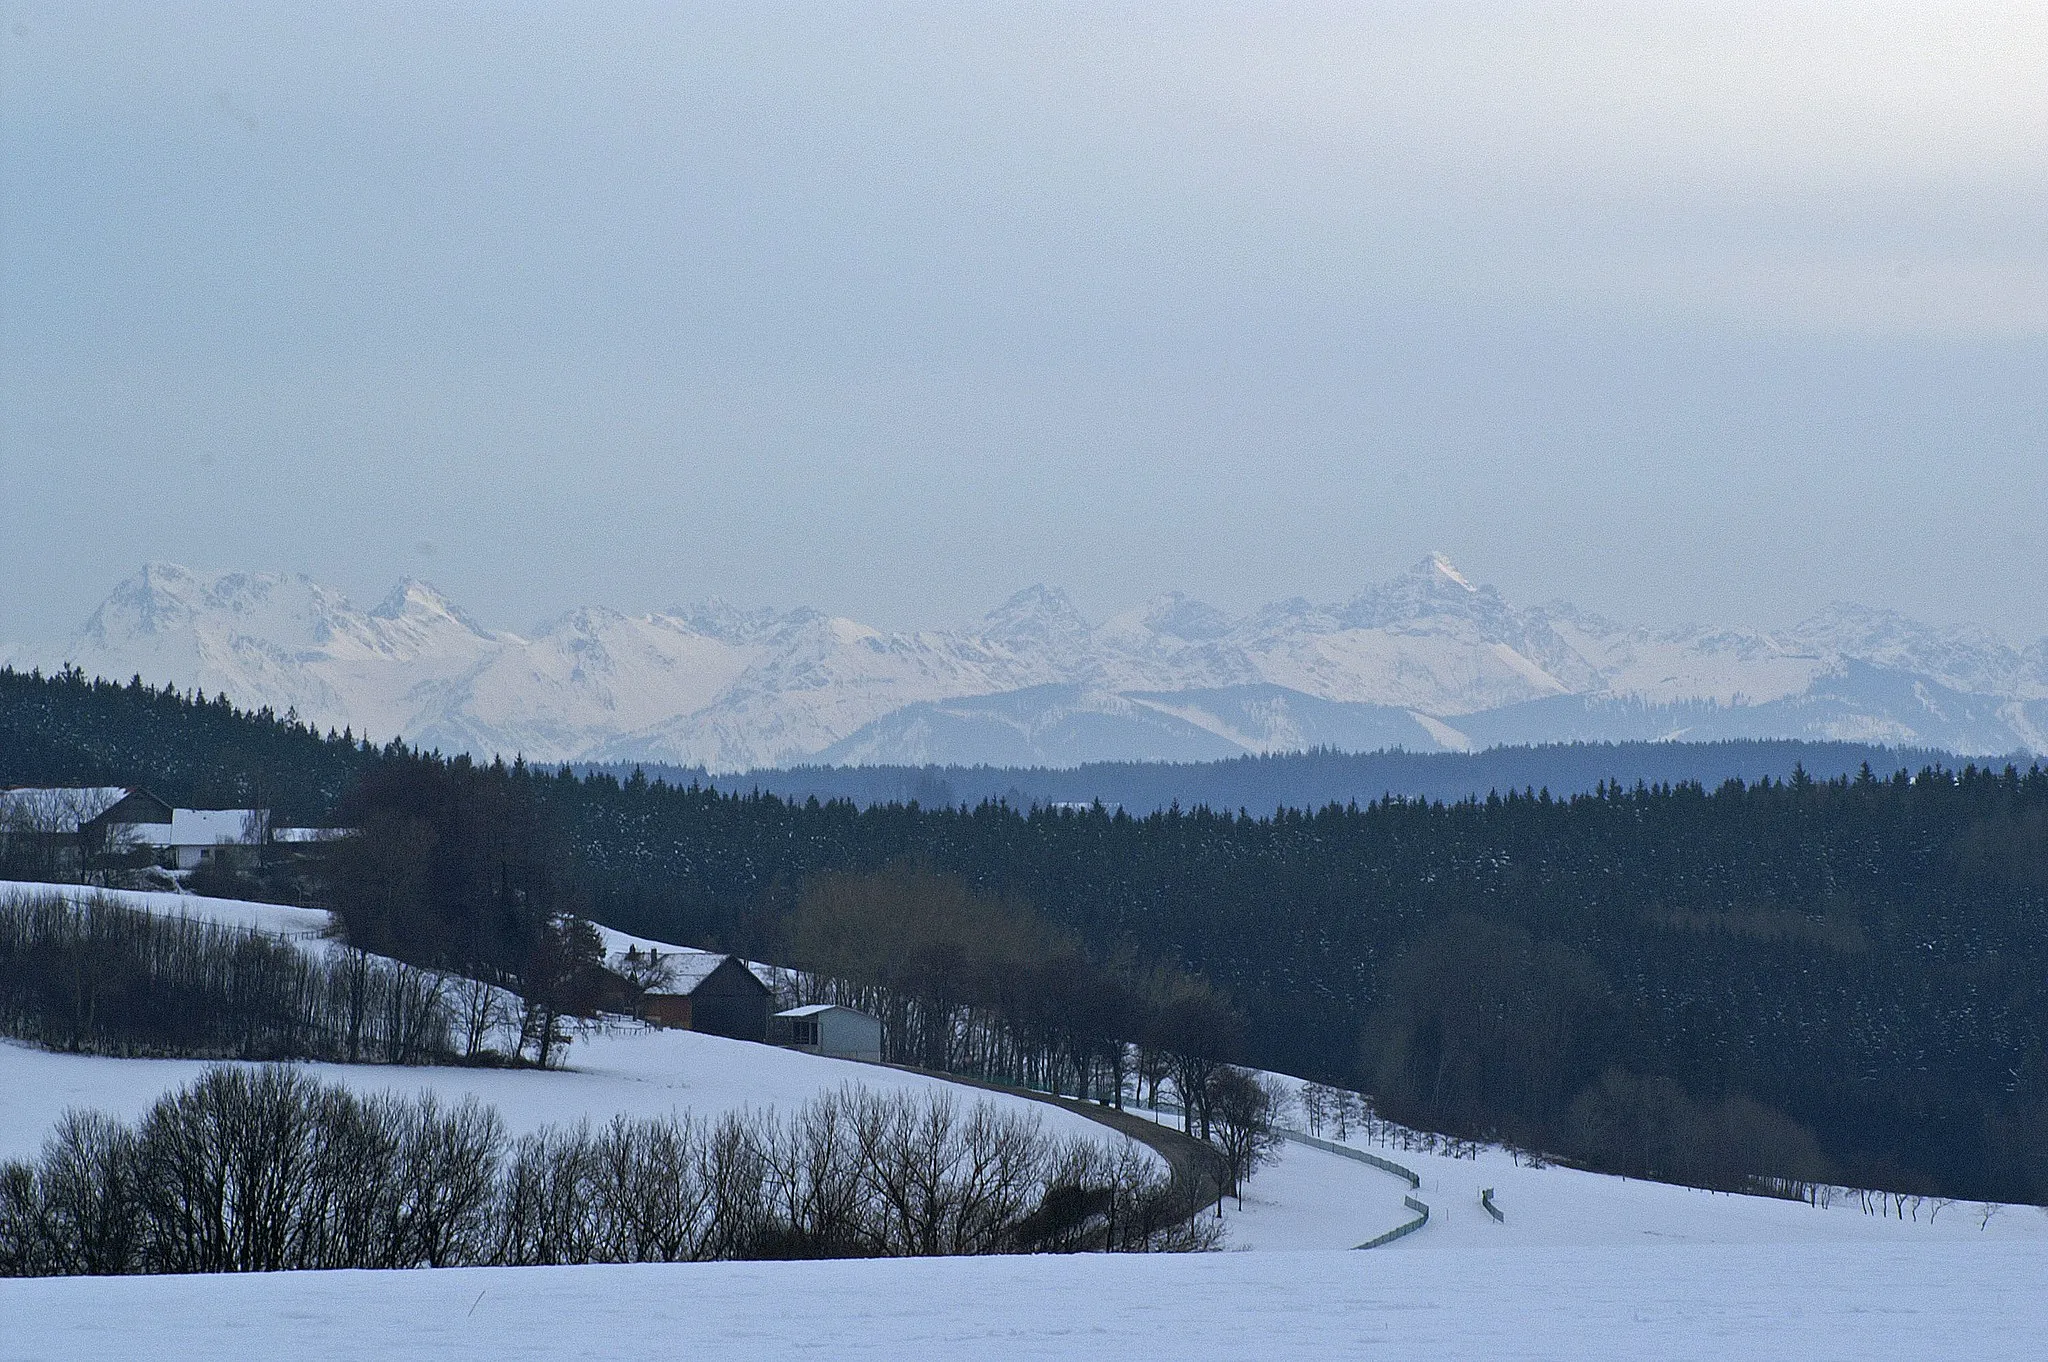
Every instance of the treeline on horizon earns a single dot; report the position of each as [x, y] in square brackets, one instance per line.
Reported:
[204, 752]
[1305, 780]
[1842, 979]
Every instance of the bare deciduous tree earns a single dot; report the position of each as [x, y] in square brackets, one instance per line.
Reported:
[1243, 1105]
[481, 1008]
[645, 972]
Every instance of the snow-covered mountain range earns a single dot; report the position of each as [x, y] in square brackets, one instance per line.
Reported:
[1427, 661]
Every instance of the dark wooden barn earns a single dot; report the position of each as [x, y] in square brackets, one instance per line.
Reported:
[715, 994]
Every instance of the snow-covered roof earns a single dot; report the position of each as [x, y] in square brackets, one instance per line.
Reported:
[616, 944]
[692, 970]
[689, 969]
[59, 808]
[212, 827]
[812, 1010]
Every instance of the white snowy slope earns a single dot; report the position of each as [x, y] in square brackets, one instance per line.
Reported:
[309, 928]
[1429, 660]
[1311, 1198]
[1828, 1303]
[635, 1071]
[285, 642]
[1584, 1267]
[1308, 1199]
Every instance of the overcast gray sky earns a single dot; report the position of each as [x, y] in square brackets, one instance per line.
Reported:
[1684, 312]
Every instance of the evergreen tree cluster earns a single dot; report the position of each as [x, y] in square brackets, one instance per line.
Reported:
[195, 752]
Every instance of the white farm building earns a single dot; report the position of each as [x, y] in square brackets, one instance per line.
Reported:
[829, 1029]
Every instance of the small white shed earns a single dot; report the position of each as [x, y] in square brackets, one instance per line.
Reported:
[828, 1029]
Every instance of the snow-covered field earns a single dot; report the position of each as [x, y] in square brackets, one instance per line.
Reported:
[1585, 1265]
[640, 1073]
[1804, 1303]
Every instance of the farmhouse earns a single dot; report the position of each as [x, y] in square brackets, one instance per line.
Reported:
[208, 836]
[56, 832]
[828, 1029]
[53, 831]
[715, 994]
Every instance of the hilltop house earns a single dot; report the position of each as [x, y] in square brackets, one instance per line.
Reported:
[55, 832]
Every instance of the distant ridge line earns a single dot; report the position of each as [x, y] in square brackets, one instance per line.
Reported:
[1314, 779]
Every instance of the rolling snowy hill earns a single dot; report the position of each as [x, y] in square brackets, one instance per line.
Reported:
[1427, 662]
[1583, 1264]
[612, 1069]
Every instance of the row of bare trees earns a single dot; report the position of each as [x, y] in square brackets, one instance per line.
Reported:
[256, 1170]
[89, 974]
[93, 975]
[972, 984]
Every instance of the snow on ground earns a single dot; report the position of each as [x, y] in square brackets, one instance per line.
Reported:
[301, 924]
[616, 942]
[1306, 1199]
[307, 925]
[638, 1072]
[1807, 1303]
[1562, 1207]
[1309, 1198]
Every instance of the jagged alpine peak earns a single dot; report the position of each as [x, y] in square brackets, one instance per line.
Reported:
[167, 601]
[162, 595]
[1440, 563]
[422, 602]
[1181, 616]
[1432, 590]
[1035, 616]
[717, 618]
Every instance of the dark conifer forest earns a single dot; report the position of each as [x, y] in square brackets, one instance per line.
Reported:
[1841, 979]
